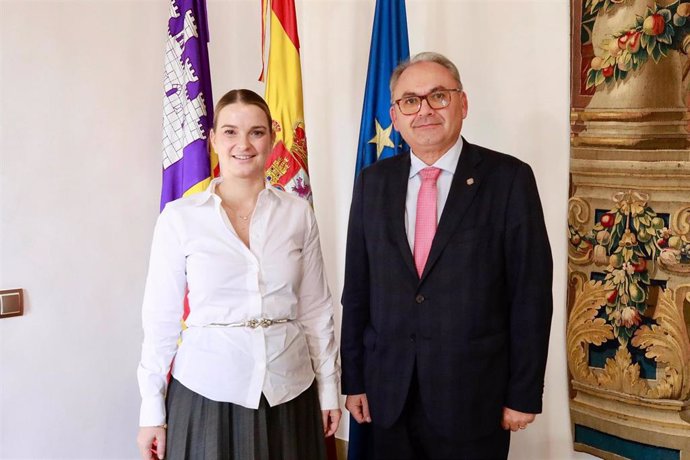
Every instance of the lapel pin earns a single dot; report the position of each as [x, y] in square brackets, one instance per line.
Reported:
[470, 181]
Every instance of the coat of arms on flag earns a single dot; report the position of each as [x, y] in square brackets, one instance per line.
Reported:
[286, 166]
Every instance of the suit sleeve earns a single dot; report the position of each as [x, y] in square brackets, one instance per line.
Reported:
[529, 269]
[355, 298]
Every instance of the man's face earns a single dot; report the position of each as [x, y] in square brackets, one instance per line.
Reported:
[429, 132]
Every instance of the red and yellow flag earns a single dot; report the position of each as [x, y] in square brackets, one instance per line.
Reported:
[286, 167]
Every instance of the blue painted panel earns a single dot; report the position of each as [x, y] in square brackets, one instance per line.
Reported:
[625, 448]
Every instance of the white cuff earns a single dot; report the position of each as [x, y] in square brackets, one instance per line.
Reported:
[328, 396]
[152, 412]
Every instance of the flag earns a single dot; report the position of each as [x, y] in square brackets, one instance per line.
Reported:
[286, 166]
[389, 46]
[187, 102]
[188, 162]
[377, 138]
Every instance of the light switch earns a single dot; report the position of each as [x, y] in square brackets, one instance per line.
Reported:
[11, 303]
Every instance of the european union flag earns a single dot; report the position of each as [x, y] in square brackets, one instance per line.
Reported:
[377, 138]
[389, 46]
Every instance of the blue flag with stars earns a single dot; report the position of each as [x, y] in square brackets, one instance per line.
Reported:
[377, 137]
[389, 46]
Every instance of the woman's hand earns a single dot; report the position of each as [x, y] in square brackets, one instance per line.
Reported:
[151, 442]
[331, 420]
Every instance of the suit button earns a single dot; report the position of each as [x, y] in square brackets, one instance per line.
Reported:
[419, 298]
[412, 338]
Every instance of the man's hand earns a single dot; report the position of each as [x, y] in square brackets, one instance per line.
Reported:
[358, 407]
[515, 420]
[151, 442]
[331, 420]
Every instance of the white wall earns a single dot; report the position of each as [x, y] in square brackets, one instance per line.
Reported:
[80, 127]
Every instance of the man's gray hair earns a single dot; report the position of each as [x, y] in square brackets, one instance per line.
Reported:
[426, 56]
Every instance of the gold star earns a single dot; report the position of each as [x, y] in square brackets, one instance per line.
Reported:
[382, 138]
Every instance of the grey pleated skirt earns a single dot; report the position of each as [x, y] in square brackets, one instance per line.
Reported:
[202, 429]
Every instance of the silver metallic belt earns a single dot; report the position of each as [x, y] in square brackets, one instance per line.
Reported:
[252, 323]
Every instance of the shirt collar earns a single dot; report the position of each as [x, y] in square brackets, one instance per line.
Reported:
[203, 197]
[448, 161]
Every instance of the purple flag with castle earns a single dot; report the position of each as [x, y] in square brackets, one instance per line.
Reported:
[188, 103]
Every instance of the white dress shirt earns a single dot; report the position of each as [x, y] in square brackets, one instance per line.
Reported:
[447, 164]
[280, 276]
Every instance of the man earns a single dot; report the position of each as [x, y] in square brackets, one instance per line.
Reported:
[447, 299]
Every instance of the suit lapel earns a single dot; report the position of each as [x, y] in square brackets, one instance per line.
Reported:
[466, 182]
[397, 193]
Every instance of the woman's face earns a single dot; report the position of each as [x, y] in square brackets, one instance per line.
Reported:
[242, 139]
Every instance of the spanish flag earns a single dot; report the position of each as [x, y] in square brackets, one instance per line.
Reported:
[286, 167]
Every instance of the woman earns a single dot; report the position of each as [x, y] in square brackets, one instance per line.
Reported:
[258, 356]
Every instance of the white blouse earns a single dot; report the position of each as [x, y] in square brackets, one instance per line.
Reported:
[280, 277]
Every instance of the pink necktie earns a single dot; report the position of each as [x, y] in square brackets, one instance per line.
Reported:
[425, 224]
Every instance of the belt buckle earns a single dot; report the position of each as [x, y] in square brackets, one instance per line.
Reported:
[263, 322]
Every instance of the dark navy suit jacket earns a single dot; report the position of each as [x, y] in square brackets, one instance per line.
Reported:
[476, 325]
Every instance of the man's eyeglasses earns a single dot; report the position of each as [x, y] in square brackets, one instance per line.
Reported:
[438, 99]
